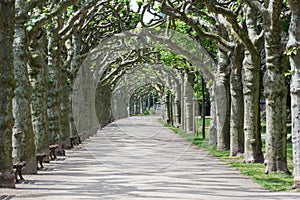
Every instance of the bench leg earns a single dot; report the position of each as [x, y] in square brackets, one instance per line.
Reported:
[20, 173]
[40, 161]
[16, 176]
[71, 142]
[52, 154]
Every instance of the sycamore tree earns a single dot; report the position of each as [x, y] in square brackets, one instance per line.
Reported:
[209, 26]
[7, 15]
[25, 20]
[42, 62]
[275, 89]
[253, 32]
[242, 21]
[293, 51]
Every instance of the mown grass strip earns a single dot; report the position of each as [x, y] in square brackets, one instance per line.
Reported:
[272, 182]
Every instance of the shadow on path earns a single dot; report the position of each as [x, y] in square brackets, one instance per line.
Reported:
[137, 158]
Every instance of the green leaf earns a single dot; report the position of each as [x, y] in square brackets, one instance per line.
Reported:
[29, 28]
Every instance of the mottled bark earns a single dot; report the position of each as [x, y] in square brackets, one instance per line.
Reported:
[103, 105]
[170, 108]
[253, 144]
[188, 94]
[294, 42]
[203, 110]
[237, 102]
[54, 86]
[74, 51]
[85, 91]
[182, 103]
[250, 76]
[38, 78]
[131, 106]
[23, 136]
[137, 105]
[119, 103]
[177, 105]
[65, 112]
[165, 107]
[275, 92]
[213, 119]
[7, 15]
[222, 98]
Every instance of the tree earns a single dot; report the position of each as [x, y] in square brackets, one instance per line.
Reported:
[7, 15]
[293, 51]
[222, 97]
[250, 36]
[275, 88]
[237, 102]
[23, 135]
[204, 24]
[26, 28]
[37, 71]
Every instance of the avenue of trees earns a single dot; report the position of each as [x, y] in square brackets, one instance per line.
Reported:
[249, 47]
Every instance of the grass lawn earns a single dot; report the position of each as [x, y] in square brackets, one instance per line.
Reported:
[272, 182]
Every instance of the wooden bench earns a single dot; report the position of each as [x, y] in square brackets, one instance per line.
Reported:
[74, 141]
[61, 152]
[39, 159]
[52, 149]
[79, 138]
[18, 166]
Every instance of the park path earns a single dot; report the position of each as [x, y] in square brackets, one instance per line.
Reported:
[137, 158]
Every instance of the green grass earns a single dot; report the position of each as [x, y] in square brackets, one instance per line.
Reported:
[256, 171]
[207, 122]
[272, 182]
[288, 128]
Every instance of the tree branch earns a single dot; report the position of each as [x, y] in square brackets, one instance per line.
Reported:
[255, 4]
[44, 18]
[33, 4]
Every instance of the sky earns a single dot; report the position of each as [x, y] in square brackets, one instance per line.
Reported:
[134, 6]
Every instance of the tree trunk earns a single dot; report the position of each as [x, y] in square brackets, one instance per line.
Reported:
[253, 145]
[65, 94]
[54, 87]
[170, 108]
[120, 103]
[188, 102]
[103, 105]
[87, 91]
[23, 136]
[38, 78]
[131, 106]
[165, 107]
[275, 92]
[213, 119]
[251, 88]
[294, 42]
[7, 15]
[222, 97]
[203, 86]
[75, 64]
[182, 102]
[65, 113]
[237, 103]
[177, 105]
